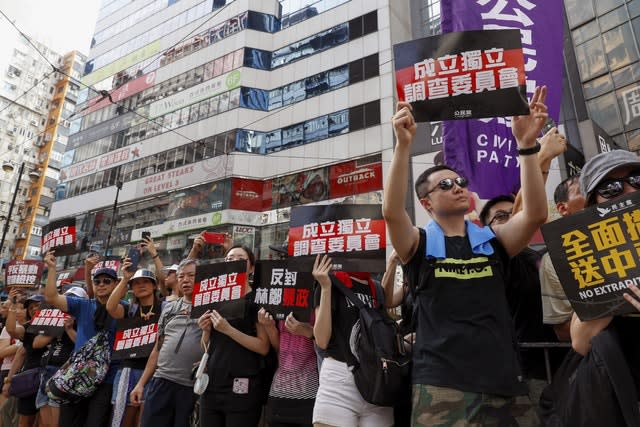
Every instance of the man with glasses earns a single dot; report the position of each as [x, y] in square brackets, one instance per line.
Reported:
[91, 316]
[524, 299]
[605, 177]
[169, 398]
[465, 365]
[556, 309]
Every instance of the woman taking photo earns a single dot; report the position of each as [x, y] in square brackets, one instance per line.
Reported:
[237, 347]
[145, 306]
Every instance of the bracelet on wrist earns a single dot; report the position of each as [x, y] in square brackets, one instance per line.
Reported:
[155, 256]
[529, 150]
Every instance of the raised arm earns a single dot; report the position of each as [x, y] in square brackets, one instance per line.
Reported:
[322, 328]
[516, 233]
[552, 144]
[150, 246]
[15, 330]
[51, 294]
[403, 234]
[89, 264]
[196, 248]
[115, 309]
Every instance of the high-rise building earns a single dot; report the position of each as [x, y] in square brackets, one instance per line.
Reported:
[221, 115]
[51, 144]
[29, 96]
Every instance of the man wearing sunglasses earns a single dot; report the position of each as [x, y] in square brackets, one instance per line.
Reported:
[91, 315]
[465, 366]
[605, 177]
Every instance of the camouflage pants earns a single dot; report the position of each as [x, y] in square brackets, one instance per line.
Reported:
[446, 407]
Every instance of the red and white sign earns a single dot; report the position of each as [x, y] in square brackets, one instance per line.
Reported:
[61, 236]
[50, 317]
[126, 90]
[114, 264]
[23, 273]
[351, 178]
[249, 195]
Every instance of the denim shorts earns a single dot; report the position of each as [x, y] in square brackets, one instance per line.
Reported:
[41, 398]
[134, 377]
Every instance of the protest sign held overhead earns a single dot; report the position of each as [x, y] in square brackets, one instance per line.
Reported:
[354, 236]
[135, 337]
[220, 287]
[48, 321]
[471, 74]
[284, 287]
[112, 262]
[60, 236]
[595, 253]
[23, 273]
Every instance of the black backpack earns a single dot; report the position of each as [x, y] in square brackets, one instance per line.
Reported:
[383, 368]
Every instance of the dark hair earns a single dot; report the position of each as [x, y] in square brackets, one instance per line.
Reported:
[424, 177]
[484, 213]
[561, 193]
[252, 257]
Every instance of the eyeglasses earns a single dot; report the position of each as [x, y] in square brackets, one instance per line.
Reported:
[105, 281]
[613, 187]
[447, 184]
[500, 217]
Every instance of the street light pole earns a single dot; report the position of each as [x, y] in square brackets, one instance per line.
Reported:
[113, 215]
[13, 202]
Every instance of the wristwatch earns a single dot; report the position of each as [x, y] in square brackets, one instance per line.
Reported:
[529, 150]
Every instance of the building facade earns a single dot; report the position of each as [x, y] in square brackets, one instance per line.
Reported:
[28, 96]
[222, 115]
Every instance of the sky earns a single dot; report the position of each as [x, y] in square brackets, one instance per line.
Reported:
[62, 25]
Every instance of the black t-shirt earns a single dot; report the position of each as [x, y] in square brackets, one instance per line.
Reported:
[627, 328]
[58, 352]
[141, 362]
[34, 355]
[525, 304]
[343, 316]
[229, 359]
[464, 333]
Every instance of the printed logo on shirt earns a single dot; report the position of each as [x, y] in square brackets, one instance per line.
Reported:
[463, 269]
[241, 385]
[366, 299]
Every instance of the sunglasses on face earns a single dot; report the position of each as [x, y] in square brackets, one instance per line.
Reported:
[613, 187]
[500, 217]
[447, 184]
[106, 281]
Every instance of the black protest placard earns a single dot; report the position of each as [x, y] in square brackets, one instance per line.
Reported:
[284, 287]
[595, 254]
[462, 75]
[60, 236]
[354, 236]
[23, 273]
[135, 337]
[220, 287]
[48, 321]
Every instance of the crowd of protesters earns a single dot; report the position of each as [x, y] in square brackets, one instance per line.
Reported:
[463, 324]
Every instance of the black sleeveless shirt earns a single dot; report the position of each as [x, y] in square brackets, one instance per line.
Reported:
[464, 332]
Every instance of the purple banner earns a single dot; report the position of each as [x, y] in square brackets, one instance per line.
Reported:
[485, 150]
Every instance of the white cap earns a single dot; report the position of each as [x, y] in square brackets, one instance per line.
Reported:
[173, 267]
[78, 292]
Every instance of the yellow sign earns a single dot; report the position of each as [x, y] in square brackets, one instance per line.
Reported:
[123, 63]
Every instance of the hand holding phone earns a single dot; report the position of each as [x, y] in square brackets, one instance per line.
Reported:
[213, 238]
[146, 235]
[134, 257]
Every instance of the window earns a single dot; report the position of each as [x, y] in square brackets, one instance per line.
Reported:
[591, 60]
[603, 110]
[619, 46]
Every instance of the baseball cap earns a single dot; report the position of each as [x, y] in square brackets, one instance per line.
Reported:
[599, 166]
[34, 298]
[173, 267]
[107, 272]
[143, 273]
[78, 292]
